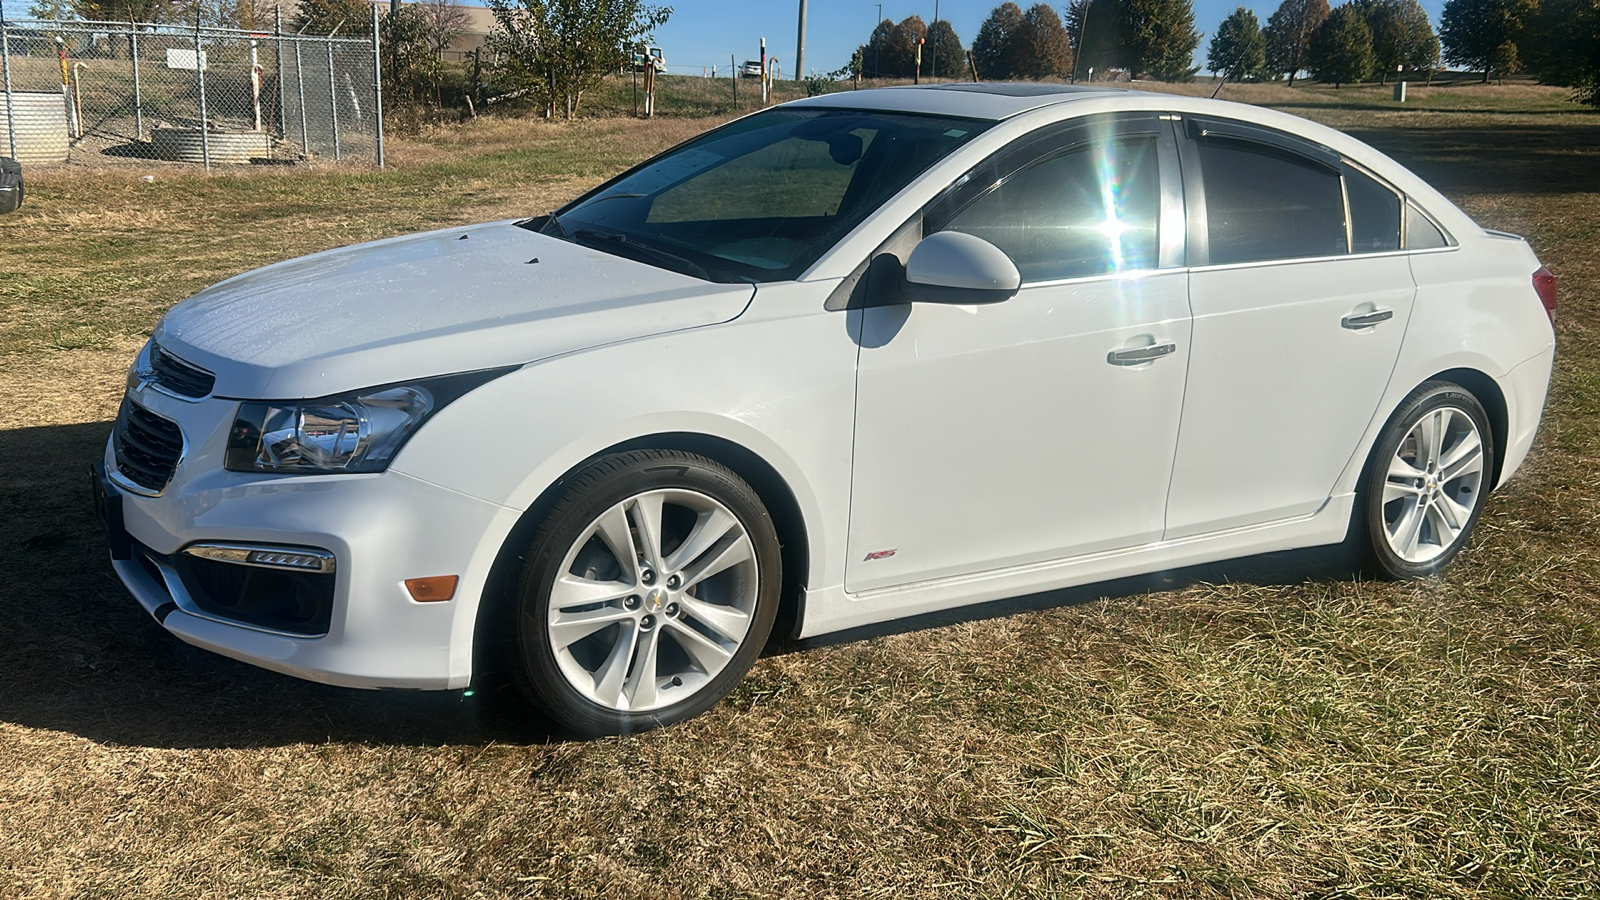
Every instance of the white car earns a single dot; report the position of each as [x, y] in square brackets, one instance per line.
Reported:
[846, 360]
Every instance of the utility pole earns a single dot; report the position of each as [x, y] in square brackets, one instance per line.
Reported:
[934, 69]
[800, 45]
[877, 53]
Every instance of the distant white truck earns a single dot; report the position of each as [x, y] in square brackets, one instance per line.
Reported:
[650, 58]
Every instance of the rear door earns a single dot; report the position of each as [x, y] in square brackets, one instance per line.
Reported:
[1300, 298]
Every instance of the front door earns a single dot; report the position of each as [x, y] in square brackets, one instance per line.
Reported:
[1044, 426]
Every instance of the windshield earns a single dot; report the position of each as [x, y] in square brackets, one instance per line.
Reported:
[763, 198]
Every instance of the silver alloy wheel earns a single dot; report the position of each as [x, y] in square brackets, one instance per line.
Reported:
[1433, 485]
[655, 597]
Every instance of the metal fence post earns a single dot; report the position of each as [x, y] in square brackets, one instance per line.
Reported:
[377, 82]
[138, 98]
[200, 78]
[333, 101]
[277, 44]
[300, 84]
[5, 69]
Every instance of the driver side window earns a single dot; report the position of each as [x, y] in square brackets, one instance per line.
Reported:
[1091, 210]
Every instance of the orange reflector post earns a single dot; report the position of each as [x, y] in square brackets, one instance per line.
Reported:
[429, 590]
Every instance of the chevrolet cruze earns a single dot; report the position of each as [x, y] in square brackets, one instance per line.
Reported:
[845, 360]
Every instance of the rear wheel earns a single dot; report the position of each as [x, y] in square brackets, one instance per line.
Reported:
[648, 593]
[1427, 482]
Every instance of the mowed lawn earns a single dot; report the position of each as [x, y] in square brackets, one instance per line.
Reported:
[1271, 728]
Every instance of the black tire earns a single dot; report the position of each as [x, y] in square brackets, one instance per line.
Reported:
[600, 487]
[1434, 548]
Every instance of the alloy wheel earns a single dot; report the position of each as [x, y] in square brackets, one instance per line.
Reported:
[653, 600]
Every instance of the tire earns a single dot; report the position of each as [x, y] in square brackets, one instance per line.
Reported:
[599, 599]
[1426, 481]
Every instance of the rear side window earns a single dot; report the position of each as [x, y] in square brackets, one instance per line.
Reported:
[1263, 203]
[1374, 214]
[1089, 211]
[1421, 233]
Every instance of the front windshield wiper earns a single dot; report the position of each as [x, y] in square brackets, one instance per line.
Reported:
[672, 260]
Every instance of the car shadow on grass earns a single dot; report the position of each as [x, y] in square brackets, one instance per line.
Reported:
[81, 657]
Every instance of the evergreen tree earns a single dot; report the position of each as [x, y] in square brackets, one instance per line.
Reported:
[991, 49]
[1160, 38]
[947, 58]
[1341, 50]
[1238, 51]
[1475, 32]
[1039, 47]
[1288, 34]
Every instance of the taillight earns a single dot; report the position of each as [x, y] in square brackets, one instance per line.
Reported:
[1544, 284]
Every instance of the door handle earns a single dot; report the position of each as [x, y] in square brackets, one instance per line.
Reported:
[1367, 320]
[1137, 355]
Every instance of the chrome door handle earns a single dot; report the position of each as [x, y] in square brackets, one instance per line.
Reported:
[1139, 355]
[1367, 320]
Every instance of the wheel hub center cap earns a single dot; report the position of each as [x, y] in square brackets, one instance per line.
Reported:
[655, 600]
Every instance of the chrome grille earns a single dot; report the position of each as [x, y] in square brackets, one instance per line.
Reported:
[147, 446]
[179, 377]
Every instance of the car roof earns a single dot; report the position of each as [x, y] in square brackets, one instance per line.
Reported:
[968, 100]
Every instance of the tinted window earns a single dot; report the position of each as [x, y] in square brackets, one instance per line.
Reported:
[1088, 211]
[763, 198]
[1374, 214]
[1421, 233]
[1263, 203]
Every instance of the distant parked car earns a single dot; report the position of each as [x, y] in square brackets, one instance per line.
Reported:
[10, 184]
[750, 69]
[858, 357]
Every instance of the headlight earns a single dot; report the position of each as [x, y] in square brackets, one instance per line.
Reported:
[356, 432]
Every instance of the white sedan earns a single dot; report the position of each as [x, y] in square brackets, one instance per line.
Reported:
[849, 359]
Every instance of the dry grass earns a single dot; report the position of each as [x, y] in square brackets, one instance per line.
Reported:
[1273, 728]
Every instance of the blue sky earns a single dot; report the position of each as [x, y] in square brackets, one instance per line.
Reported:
[706, 32]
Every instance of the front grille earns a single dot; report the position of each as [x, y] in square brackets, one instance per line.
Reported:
[147, 446]
[294, 602]
[179, 377]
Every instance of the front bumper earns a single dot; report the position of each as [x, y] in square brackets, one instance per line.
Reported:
[381, 528]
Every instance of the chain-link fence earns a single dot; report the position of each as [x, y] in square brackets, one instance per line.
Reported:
[75, 91]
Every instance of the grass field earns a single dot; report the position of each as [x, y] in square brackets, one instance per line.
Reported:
[1270, 728]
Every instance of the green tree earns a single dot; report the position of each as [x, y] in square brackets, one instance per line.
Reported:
[1402, 36]
[350, 17]
[1563, 46]
[1474, 31]
[900, 51]
[1238, 50]
[946, 57]
[1288, 34]
[1160, 38]
[872, 51]
[558, 49]
[991, 50]
[1341, 50]
[1096, 29]
[1039, 47]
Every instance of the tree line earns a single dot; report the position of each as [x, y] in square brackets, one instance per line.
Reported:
[1557, 40]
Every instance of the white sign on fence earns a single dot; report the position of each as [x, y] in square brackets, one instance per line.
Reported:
[185, 59]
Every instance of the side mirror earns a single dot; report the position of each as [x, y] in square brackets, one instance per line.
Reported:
[951, 267]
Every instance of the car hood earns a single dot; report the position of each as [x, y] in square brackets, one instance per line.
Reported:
[428, 304]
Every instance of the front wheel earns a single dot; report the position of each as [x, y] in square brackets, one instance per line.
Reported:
[1427, 482]
[648, 593]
